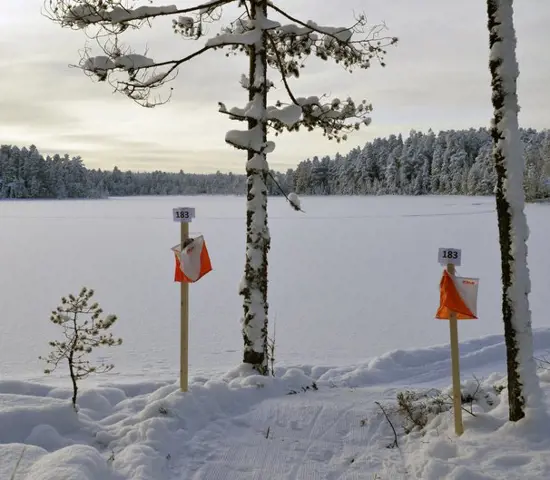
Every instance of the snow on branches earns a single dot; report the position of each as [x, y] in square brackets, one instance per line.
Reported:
[277, 46]
[118, 15]
[288, 45]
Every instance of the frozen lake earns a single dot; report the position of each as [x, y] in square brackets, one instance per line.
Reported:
[350, 279]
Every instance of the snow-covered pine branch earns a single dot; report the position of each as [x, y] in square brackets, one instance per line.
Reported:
[353, 46]
[288, 48]
[118, 15]
[269, 45]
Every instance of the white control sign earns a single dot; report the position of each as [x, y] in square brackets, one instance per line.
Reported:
[451, 256]
[183, 214]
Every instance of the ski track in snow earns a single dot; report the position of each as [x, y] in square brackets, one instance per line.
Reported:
[319, 435]
[316, 435]
[239, 427]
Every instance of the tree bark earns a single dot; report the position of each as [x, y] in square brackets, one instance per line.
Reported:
[512, 224]
[73, 380]
[71, 360]
[255, 281]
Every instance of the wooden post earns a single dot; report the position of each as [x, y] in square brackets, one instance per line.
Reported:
[184, 320]
[455, 362]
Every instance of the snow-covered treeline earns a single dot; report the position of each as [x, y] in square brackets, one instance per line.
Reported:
[450, 162]
[25, 173]
[454, 162]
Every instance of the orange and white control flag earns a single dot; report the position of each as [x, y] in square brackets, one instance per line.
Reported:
[457, 295]
[192, 261]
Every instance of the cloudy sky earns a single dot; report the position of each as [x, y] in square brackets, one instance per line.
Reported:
[437, 77]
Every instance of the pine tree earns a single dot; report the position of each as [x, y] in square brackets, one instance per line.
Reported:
[80, 337]
[269, 46]
[437, 163]
[392, 175]
[523, 387]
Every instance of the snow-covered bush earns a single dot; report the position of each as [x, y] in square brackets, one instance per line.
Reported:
[413, 410]
[416, 409]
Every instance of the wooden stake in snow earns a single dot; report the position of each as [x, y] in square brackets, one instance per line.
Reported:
[184, 320]
[184, 217]
[455, 362]
[458, 301]
[192, 263]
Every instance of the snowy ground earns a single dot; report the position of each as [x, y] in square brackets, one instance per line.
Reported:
[247, 427]
[355, 277]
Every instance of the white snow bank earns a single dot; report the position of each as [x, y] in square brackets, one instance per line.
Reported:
[274, 427]
[480, 355]
[78, 462]
[11, 454]
[19, 415]
[118, 436]
[491, 448]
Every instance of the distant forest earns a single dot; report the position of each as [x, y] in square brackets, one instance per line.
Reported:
[453, 162]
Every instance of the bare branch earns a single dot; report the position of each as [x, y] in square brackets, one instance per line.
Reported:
[395, 443]
[296, 207]
[281, 68]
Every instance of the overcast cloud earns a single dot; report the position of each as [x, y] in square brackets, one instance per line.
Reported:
[437, 77]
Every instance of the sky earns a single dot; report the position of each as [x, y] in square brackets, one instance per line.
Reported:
[436, 77]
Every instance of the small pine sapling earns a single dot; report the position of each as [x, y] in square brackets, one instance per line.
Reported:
[83, 330]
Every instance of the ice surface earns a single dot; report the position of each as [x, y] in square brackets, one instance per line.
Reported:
[376, 292]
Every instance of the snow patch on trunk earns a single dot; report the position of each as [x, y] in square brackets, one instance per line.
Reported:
[504, 51]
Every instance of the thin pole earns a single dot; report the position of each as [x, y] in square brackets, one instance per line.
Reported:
[184, 321]
[455, 361]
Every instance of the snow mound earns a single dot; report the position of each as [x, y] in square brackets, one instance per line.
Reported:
[115, 436]
[304, 423]
[78, 462]
[21, 414]
[490, 448]
[480, 355]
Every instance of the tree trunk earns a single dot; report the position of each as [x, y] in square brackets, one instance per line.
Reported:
[73, 380]
[71, 359]
[254, 285]
[523, 387]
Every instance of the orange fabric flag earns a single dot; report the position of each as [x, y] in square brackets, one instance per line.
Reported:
[451, 300]
[195, 259]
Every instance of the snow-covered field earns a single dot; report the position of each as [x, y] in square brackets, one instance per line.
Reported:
[353, 292]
